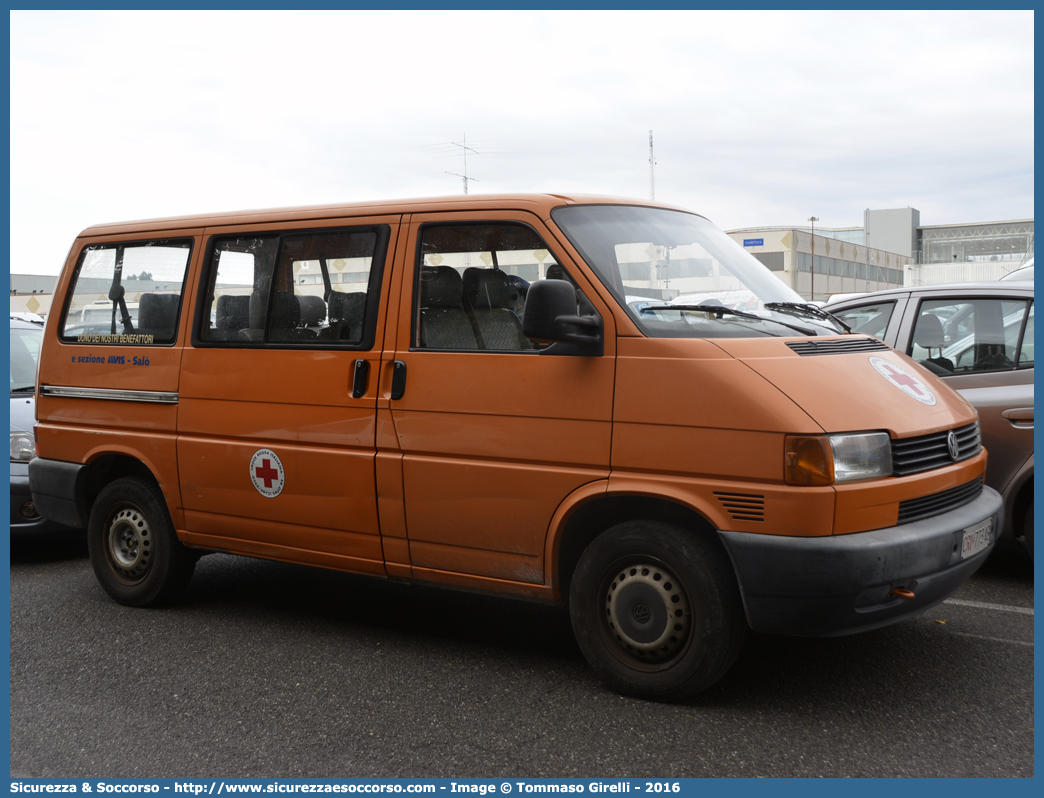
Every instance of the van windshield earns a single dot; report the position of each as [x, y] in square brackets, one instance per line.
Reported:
[670, 269]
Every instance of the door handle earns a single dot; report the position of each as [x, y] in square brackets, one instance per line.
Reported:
[1021, 417]
[361, 378]
[398, 379]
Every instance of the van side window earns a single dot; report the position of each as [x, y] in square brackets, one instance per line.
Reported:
[237, 298]
[472, 284]
[293, 288]
[969, 335]
[321, 287]
[127, 294]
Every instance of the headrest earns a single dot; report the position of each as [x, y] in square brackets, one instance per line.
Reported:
[347, 307]
[929, 333]
[441, 287]
[489, 288]
[158, 311]
[233, 312]
[555, 272]
[471, 280]
[313, 310]
[286, 311]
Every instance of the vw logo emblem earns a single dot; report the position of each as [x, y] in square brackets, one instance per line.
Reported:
[641, 613]
[951, 444]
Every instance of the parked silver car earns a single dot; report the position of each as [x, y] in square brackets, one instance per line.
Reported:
[26, 522]
[978, 337]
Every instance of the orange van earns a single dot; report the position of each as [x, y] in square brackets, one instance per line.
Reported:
[496, 393]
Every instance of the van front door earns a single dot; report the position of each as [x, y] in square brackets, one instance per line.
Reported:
[277, 405]
[494, 432]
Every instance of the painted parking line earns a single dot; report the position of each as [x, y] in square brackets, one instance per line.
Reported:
[994, 639]
[982, 605]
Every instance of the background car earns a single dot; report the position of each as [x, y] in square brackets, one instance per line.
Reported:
[978, 338]
[1022, 274]
[25, 351]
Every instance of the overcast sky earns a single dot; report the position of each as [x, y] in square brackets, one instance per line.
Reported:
[759, 118]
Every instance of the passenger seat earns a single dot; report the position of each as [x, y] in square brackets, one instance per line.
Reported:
[347, 314]
[233, 315]
[490, 294]
[443, 322]
[158, 316]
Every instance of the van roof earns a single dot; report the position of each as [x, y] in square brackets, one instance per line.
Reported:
[540, 204]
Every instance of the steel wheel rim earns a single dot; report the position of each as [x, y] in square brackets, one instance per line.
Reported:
[648, 614]
[129, 543]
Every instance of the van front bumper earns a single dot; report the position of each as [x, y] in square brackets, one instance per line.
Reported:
[843, 584]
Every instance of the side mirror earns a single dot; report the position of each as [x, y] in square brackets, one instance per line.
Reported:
[551, 315]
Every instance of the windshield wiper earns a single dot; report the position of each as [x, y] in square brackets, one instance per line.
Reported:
[805, 309]
[720, 310]
[25, 389]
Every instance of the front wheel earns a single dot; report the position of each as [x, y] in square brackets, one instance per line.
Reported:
[135, 552]
[656, 610]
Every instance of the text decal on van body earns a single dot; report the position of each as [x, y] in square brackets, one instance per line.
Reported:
[132, 338]
[111, 360]
[266, 472]
[903, 380]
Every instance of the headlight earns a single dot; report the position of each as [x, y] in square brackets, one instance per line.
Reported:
[826, 459]
[23, 447]
[861, 456]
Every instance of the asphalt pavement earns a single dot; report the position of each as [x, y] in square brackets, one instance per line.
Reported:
[272, 670]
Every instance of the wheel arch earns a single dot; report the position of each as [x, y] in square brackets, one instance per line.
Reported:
[105, 467]
[1021, 488]
[593, 512]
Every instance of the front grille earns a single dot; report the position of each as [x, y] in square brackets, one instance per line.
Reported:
[925, 452]
[927, 506]
[843, 346]
[743, 506]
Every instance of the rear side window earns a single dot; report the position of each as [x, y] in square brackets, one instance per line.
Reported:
[296, 288]
[128, 293]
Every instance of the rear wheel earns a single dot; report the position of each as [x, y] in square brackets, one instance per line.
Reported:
[656, 610]
[135, 552]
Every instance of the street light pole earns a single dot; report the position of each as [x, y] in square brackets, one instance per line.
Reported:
[813, 219]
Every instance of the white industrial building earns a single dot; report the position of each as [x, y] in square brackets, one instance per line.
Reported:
[890, 249]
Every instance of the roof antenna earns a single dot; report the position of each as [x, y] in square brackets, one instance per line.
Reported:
[652, 169]
[464, 146]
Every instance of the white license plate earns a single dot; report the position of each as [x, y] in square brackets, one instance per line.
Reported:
[976, 538]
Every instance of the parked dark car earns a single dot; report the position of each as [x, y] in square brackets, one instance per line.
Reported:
[978, 337]
[25, 350]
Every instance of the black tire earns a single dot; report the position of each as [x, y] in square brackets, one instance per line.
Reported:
[136, 554]
[656, 610]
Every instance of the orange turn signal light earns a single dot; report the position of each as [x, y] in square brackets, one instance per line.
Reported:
[808, 460]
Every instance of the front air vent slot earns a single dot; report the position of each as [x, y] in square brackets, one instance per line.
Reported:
[838, 346]
[743, 506]
[936, 503]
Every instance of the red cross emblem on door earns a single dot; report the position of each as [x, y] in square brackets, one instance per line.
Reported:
[266, 473]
